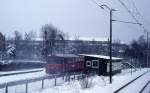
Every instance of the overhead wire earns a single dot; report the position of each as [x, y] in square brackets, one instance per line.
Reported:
[99, 4]
[133, 16]
[136, 21]
[137, 11]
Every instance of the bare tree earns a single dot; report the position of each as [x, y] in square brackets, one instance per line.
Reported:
[17, 40]
[29, 38]
[136, 50]
[2, 45]
[2, 42]
[18, 35]
[51, 35]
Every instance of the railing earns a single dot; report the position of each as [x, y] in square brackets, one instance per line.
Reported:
[51, 79]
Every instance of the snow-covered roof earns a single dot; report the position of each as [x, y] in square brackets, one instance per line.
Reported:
[65, 55]
[38, 39]
[90, 38]
[80, 38]
[100, 56]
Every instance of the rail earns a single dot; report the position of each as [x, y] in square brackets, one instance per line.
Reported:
[144, 87]
[118, 90]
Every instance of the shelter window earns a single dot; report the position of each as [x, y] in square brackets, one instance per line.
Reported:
[94, 63]
[88, 63]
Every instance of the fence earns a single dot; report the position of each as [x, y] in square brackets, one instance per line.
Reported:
[26, 86]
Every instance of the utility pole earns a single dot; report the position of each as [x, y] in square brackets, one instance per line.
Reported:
[110, 41]
[147, 54]
[110, 48]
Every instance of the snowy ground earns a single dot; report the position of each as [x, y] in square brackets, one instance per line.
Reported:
[137, 86]
[19, 71]
[147, 89]
[5, 79]
[34, 86]
[100, 83]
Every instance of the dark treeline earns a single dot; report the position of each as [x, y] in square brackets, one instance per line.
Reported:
[137, 51]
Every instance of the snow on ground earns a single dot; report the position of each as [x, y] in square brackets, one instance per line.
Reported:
[5, 79]
[136, 86]
[19, 71]
[147, 89]
[34, 86]
[101, 84]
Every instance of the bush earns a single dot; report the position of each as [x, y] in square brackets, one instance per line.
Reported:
[86, 82]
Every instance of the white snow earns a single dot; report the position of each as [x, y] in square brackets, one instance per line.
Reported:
[147, 89]
[100, 83]
[81, 38]
[101, 56]
[136, 86]
[5, 79]
[89, 39]
[19, 71]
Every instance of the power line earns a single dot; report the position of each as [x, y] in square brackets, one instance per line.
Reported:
[123, 4]
[145, 30]
[133, 16]
[136, 9]
[127, 22]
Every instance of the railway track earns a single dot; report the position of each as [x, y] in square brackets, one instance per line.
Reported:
[144, 88]
[22, 72]
[129, 83]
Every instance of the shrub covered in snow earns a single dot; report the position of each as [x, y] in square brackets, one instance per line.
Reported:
[86, 82]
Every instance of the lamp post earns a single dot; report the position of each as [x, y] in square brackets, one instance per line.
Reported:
[110, 41]
[147, 52]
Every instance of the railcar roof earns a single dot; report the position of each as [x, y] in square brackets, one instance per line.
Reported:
[101, 56]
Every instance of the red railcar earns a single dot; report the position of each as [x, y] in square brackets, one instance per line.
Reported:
[62, 63]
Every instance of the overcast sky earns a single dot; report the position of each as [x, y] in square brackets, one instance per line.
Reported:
[75, 17]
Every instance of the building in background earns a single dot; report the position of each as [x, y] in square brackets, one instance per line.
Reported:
[33, 49]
